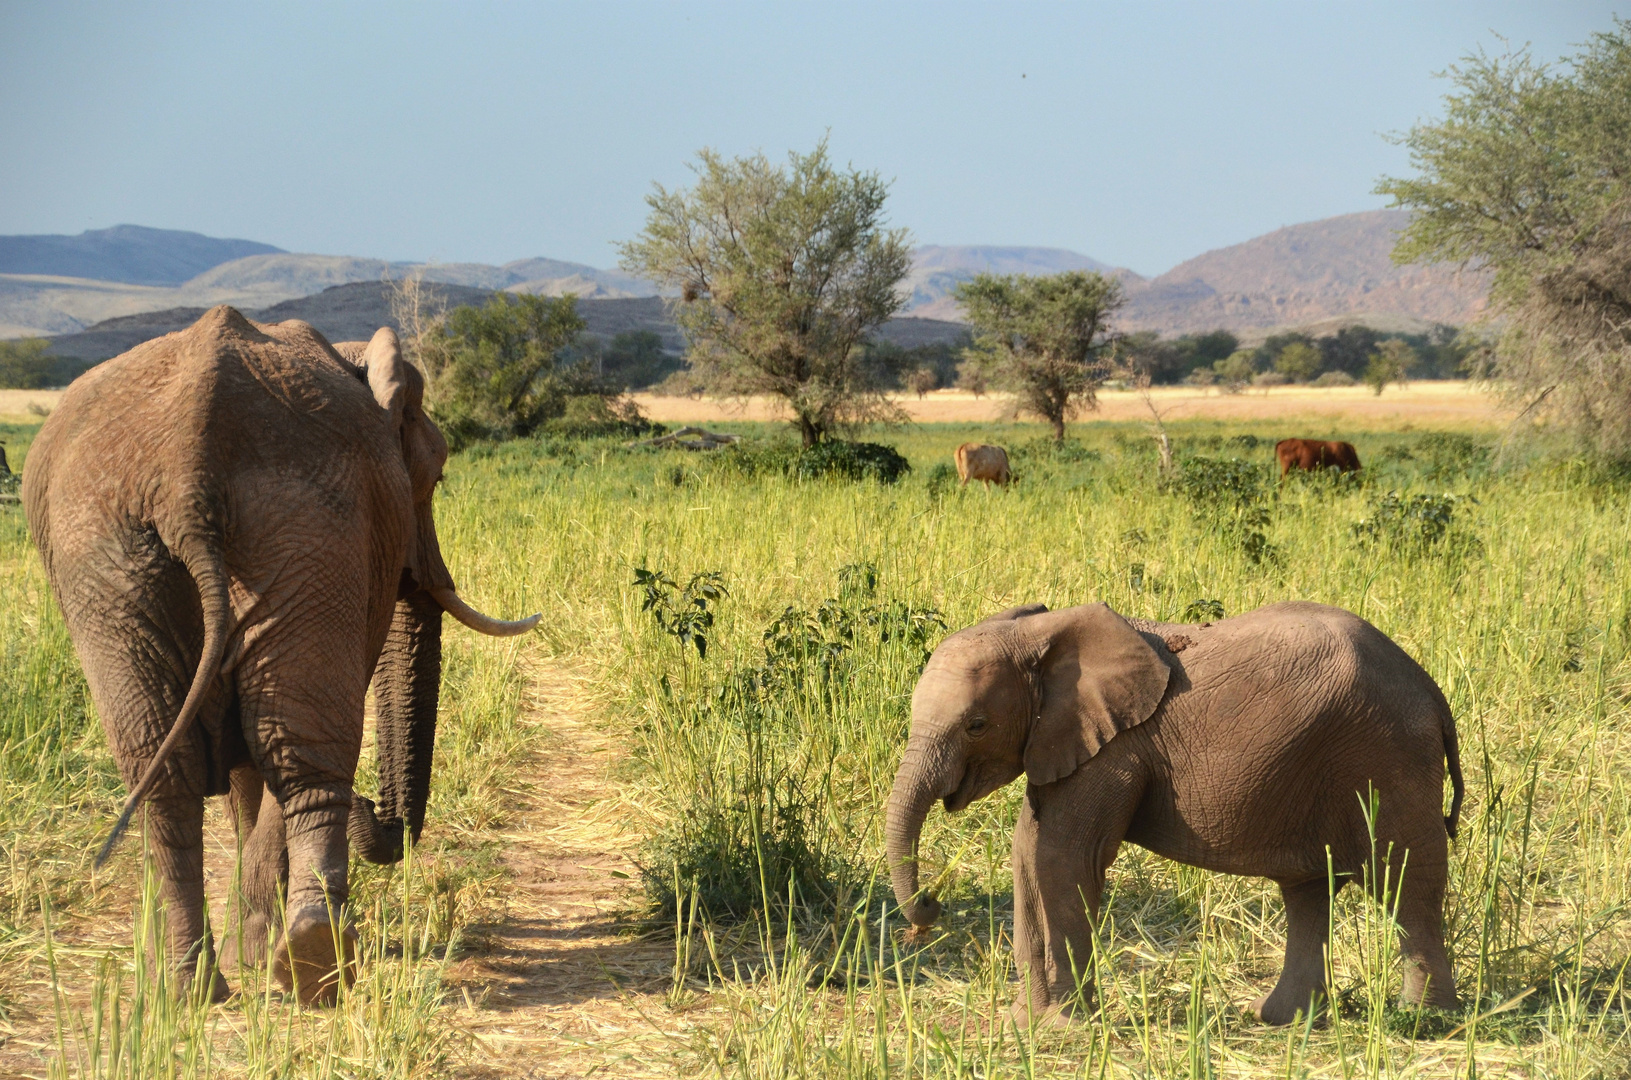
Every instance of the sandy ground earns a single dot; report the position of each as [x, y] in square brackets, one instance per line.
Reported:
[562, 986]
[1437, 404]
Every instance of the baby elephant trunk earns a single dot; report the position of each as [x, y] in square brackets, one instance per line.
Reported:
[916, 788]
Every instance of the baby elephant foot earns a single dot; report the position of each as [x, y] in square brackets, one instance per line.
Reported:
[312, 958]
[1278, 1009]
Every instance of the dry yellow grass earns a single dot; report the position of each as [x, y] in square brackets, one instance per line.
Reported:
[14, 404]
[1458, 405]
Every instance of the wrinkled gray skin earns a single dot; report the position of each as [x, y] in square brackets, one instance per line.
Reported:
[236, 521]
[1245, 746]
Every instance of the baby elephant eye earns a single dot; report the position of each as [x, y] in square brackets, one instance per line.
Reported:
[976, 726]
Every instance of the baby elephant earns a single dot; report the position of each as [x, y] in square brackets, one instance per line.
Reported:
[1250, 746]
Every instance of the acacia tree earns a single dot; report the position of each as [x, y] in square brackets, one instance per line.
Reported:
[1528, 175]
[782, 273]
[1046, 338]
[501, 370]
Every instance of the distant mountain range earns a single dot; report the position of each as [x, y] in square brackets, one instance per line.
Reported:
[1321, 270]
[352, 312]
[1337, 268]
[127, 253]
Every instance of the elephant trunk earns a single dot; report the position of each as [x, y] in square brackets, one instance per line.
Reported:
[406, 684]
[917, 785]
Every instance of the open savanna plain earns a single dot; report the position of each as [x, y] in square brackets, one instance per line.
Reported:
[645, 861]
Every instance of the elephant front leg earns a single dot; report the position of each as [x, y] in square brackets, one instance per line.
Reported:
[1058, 882]
[175, 831]
[1308, 937]
[319, 943]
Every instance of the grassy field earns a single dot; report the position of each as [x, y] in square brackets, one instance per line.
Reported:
[753, 778]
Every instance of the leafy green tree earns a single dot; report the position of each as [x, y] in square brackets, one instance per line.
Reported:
[1047, 338]
[24, 364]
[1348, 350]
[1298, 360]
[1391, 362]
[1235, 371]
[1528, 175]
[783, 272]
[500, 370]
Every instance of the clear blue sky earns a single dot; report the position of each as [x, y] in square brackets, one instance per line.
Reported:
[1138, 133]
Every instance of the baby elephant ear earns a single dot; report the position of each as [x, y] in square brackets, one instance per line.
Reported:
[387, 373]
[1098, 677]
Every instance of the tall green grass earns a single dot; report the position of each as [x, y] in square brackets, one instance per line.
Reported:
[774, 761]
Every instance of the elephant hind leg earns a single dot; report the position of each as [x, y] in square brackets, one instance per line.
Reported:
[175, 832]
[1308, 936]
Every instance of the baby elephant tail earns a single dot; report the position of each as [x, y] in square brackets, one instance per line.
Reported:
[1452, 756]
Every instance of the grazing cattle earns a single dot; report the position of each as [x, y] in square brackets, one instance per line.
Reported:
[982, 461]
[1311, 454]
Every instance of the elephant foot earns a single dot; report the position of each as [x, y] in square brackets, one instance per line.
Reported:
[1421, 992]
[1027, 1016]
[200, 963]
[245, 948]
[214, 988]
[1279, 1008]
[307, 962]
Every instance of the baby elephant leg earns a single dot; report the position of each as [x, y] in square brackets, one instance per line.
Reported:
[1063, 847]
[1308, 935]
[1427, 976]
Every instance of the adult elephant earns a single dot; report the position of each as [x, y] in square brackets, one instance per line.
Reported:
[1249, 746]
[236, 521]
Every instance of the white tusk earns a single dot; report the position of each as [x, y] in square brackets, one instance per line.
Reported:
[475, 620]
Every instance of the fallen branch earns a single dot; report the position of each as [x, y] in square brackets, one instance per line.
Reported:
[690, 438]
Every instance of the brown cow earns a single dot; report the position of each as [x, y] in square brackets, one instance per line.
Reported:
[982, 461]
[1311, 454]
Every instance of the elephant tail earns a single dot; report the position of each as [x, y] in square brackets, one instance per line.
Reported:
[203, 561]
[1452, 757]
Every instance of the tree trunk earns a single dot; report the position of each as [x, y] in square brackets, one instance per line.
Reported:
[808, 430]
[1058, 423]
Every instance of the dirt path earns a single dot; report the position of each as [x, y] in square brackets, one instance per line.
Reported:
[563, 987]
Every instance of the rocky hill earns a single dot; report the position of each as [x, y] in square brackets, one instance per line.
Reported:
[61, 285]
[1302, 273]
[936, 270]
[130, 254]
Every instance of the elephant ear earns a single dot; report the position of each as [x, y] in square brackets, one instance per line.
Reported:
[1098, 677]
[387, 373]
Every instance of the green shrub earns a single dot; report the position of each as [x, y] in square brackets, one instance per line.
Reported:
[24, 364]
[592, 416]
[1416, 524]
[851, 461]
